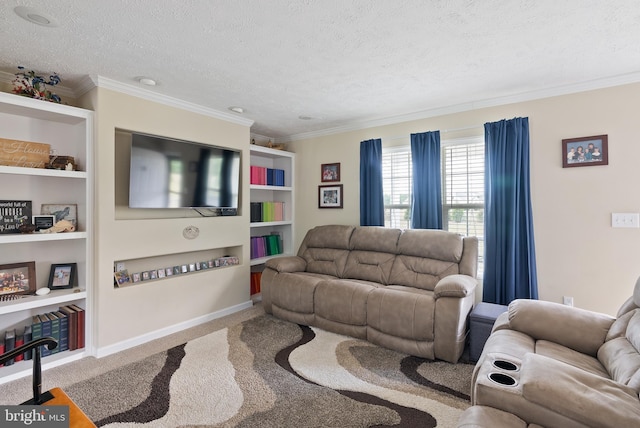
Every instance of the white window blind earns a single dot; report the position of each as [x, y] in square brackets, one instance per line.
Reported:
[463, 191]
[396, 184]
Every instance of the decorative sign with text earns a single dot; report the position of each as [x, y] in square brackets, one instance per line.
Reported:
[13, 214]
[24, 153]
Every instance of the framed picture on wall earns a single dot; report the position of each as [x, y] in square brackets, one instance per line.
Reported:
[585, 151]
[330, 172]
[330, 196]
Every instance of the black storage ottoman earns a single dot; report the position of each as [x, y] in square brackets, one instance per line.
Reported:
[481, 320]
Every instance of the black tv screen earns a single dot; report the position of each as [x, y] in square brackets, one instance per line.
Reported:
[169, 173]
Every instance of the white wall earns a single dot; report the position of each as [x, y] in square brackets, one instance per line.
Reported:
[579, 254]
[123, 314]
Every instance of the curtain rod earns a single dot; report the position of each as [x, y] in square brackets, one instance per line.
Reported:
[443, 131]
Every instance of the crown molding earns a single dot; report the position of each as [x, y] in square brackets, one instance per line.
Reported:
[113, 85]
[624, 79]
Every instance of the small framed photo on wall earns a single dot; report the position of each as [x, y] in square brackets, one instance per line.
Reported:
[330, 172]
[330, 196]
[585, 151]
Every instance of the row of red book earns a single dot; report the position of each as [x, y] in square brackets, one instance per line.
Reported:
[266, 176]
[255, 282]
[66, 325]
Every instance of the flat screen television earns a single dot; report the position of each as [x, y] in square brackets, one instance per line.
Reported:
[170, 173]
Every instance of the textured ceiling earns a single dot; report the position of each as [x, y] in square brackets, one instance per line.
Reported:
[339, 62]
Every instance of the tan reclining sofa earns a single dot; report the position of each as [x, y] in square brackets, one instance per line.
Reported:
[407, 290]
[551, 365]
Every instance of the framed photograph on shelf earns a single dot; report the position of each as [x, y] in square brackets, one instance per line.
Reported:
[17, 278]
[585, 151]
[330, 196]
[135, 277]
[330, 172]
[60, 212]
[42, 222]
[65, 275]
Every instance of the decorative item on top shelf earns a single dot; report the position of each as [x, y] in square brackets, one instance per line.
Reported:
[330, 196]
[67, 163]
[30, 84]
[63, 275]
[61, 212]
[330, 172]
[14, 214]
[18, 278]
[26, 154]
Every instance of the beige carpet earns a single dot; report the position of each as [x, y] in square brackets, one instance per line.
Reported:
[253, 370]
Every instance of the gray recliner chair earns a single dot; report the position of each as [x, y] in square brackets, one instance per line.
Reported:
[559, 366]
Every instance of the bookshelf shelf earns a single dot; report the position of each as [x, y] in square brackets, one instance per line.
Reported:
[275, 159]
[69, 132]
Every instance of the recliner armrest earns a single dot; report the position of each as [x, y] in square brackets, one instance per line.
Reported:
[581, 330]
[287, 264]
[580, 395]
[455, 286]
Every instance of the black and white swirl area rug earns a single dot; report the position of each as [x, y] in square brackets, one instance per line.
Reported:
[265, 372]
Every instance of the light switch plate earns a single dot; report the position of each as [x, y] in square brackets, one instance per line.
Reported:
[629, 220]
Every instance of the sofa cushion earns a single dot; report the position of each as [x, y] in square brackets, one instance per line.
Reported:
[295, 291]
[619, 326]
[343, 301]
[327, 261]
[372, 238]
[332, 236]
[633, 331]
[569, 356]
[621, 360]
[413, 271]
[431, 244]
[369, 266]
[403, 312]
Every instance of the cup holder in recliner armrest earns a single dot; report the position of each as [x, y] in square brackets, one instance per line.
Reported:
[505, 365]
[502, 379]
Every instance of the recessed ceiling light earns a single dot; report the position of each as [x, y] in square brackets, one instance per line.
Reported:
[147, 81]
[305, 117]
[34, 16]
[237, 109]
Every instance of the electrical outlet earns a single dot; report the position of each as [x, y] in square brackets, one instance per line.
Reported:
[567, 300]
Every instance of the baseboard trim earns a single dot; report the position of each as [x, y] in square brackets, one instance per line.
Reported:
[157, 334]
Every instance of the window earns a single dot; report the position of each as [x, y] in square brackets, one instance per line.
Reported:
[396, 184]
[462, 189]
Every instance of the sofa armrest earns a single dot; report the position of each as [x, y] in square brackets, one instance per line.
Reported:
[287, 264]
[580, 395]
[455, 286]
[581, 330]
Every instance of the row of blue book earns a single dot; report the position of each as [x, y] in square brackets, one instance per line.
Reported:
[66, 325]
